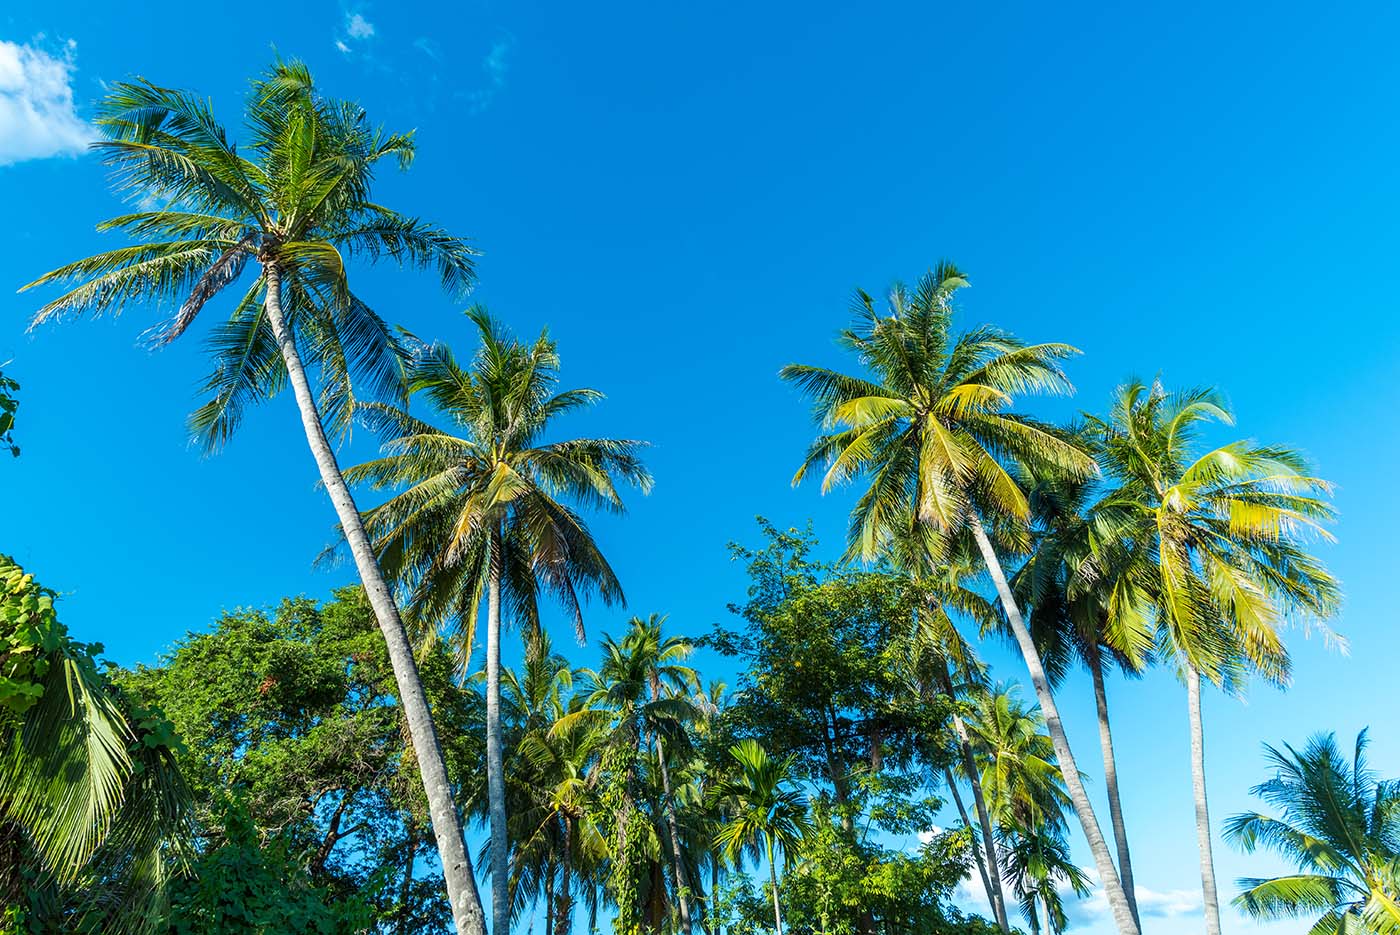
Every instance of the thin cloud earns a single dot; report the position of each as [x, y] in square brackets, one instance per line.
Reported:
[37, 116]
[496, 65]
[1152, 904]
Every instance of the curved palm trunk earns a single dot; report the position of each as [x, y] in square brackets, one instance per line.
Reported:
[995, 892]
[1198, 784]
[773, 875]
[495, 760]
[467, 916]
[679, 883]
[1069, 768]
[976, 851]
[1110, 778]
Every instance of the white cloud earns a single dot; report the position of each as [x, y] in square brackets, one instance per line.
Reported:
[1152, 904]
[341, 46]
[358, 27]
[37, 118]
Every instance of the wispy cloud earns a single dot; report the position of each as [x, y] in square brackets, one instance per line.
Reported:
[37, 117]
[496, 65]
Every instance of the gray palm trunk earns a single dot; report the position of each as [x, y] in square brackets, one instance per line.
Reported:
[465, 901]
[773, 875]
[967, 823]
[495, 761]
[1103, 859]
[1198, 784]
[679, 883]
[989, 842]
[1110, 778]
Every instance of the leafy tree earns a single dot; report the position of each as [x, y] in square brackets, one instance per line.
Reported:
[293, 202]
[931, 427]
[1340, 826]
[8, 407]
[297, 710]
[487, 508]
[1226, 532]
[245, 886]
[93, 812]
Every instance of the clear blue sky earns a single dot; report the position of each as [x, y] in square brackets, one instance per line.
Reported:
[686, 195]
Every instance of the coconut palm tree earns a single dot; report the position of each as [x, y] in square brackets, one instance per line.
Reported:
[292, 203]
[1226, 532]
[1038, 866]
[763, 812]
[1340, 826]
[931, 426]
[93, 811]
[488, 504]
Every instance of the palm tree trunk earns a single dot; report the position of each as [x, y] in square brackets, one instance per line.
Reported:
[564, 914]
[679, 883]
[1069, 768]
[1198, 783]
[995, 893]
[467, 916]
[1110, 778]
[976, 851]
[773, 875]
[495, 759]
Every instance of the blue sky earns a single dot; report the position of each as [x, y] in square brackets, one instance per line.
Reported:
[687, 195]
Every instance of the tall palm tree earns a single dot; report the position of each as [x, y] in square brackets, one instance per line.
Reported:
[1088, 601]
[763, 811]
[1340, 826]
[294, 202]
[487, 507]
[93, 811]
[1226, 534]
[931, 426]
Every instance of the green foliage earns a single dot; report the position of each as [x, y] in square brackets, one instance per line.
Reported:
[297, 711]
[247, 886]
[8, 407]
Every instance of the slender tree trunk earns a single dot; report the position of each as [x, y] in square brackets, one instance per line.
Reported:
[1069, 767]
[679, 883]
[406, 891]
[977, 852]
[773, 875]
[549, 898]
[495, 758]
[1198, 783]
[564, 914]
[1110, 778]
[467, 916]
[995, 892]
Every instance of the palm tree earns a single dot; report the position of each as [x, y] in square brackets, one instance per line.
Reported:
[763, 811]
[1025, 790]
[1340, 826]
[640, 691]
[294, 202]
[932, 428]
[487, 507]
[1225, 533]
[1087, 601]
[93, 811]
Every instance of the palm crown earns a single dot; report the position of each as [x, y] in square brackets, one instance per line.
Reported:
[931, 425]
[491, 476]
[295, 199]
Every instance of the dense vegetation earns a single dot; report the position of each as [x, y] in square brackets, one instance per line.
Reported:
[312, 767]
